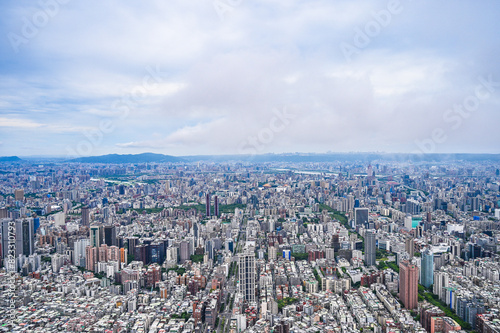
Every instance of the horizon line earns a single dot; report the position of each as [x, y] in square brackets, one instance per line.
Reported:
[262, 154]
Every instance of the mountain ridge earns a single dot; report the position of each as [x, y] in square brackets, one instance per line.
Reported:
[266, 158]
[127, 158]
[10, 159]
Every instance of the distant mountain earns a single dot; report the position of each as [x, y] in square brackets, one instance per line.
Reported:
[345, 157]
[288, 158]
[10, 159]
[130, 158]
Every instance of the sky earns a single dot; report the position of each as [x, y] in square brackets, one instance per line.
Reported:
[81, 78]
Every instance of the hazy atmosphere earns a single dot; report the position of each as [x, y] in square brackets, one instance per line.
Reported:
[244, 77]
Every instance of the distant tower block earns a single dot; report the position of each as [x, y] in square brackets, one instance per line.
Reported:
[19, 195]
[216, 206]
[86, 216]
[207, 204]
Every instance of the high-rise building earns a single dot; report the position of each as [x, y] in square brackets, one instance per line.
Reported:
[428, 315]
[441, 282]
[113, 253]
[172, 254]
[110, 235]
[156, 252]
[184, 251]
[19, 195]
[207, 204]
[408, 284]
[287, 254]
[57, 262]
[91, 258]
[272, 252]
[330, 253]
[216, 206]
[95, 236]
[132, 242]
[349, 203]
[140, 253]
[123, 255]
[370, 249]
[195, 230]
[24, 230]
[102, 253]
[79, 252]
[369, 171]
[360, 217]
[427, 271]
[246, 275]
[5, 236]
[455, 248]
[410, 247]
[86, 216]
[408, 222]
[336, 242]
[36, 224]
[27, 243]
[411, 207]
[229, 244]
[419, 231]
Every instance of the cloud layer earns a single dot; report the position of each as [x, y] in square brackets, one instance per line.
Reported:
[216, 76]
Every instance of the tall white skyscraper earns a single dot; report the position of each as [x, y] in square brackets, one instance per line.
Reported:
[330, 253]
[370, 248]
[79, 252]
[246, 275]
[441, 281]
[408, 222]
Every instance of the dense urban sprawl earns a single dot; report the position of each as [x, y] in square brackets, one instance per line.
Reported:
[253, 247]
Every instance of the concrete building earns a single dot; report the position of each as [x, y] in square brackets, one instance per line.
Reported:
[408, 284]
[246, 275]
[360, 217]
[370, 248]
[427, 271]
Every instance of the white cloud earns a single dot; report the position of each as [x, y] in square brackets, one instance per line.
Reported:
[18, 123]
[217, 82]
[51, 127]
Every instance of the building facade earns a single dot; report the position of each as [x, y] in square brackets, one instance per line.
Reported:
[408, 284]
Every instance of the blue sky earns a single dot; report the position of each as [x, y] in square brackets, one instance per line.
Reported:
[240, 76]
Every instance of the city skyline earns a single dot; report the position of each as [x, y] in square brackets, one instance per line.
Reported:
[230, 247]
[241, 77]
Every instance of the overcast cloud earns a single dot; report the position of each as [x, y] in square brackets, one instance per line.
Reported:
[214, 77]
